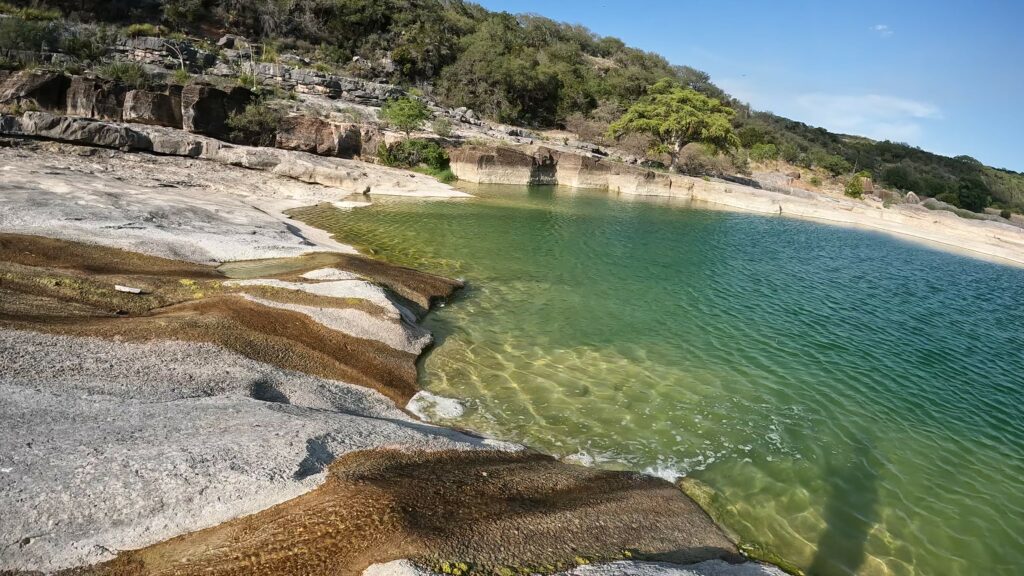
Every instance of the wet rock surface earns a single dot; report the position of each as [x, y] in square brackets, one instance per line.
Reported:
[488, 510]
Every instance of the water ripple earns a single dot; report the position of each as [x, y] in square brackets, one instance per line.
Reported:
[855, 402]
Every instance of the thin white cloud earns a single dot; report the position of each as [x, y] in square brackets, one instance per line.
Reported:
[738, 88]
[882, 30]
[872, 115]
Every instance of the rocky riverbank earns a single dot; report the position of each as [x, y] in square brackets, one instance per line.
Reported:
[533, 165]
[311, 147]
[210, 386]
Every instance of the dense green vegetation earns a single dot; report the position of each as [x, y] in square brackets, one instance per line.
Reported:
[420, 155]
[405, 114]
[521, 69]
[961, 181]
[674, 116]
[256, 125]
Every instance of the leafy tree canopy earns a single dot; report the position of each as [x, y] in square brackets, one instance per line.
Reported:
[405, 114]
[676, 116]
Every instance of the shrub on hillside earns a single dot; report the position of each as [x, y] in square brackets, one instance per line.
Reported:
[855, 187]
[419, 155]
[269, 53]
[973, 194]
[145, 29]
[697, 160]
[257, 125]
[130, 73]
[740, 161]
[1004, 213]
[88, 43]
[834, 163]
[411, 153]
[180, 77]
[29, 13]
[28, 35]
[949, 198]
[763, 152]
[183, 13]
[789, 152]
[442, 127]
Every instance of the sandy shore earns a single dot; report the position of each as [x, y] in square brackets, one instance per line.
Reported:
[238, 408]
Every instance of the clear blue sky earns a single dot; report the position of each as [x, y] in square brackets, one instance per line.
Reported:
[945, 76]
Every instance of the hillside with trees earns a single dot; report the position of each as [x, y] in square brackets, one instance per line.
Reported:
[525, 70]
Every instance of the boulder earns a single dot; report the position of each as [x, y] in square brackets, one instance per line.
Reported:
[370, 138]
[43, 90]
[911, 198]
[318, 136]
[76, 130]
[172, 142]
[890, 196]
[156, 108]
[205, 109]
[229, 41]
[93, 98]
[869, 186]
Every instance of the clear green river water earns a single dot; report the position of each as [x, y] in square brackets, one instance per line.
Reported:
[856, 402]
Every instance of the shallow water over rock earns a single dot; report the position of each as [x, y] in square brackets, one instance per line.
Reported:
[855, 402]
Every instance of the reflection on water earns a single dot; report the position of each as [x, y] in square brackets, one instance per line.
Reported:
[855, 402]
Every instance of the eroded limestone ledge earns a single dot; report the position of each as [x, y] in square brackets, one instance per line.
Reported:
[344, 175]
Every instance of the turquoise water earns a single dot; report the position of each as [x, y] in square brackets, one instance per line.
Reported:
[856, 402]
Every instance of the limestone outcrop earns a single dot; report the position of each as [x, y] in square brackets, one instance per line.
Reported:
[502, 165]
[158, 109]
[43, 90]
[349, 176]
[205, 109]
[542, 165]
[93, 98]
[75, 130]
[197, 107]
[325, 138]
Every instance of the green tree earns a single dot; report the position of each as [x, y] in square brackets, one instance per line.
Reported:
[855, 187]
[675, 116]
[973, 194]
[763, 152]
[405, 114]
[753, 134]
[834, 163]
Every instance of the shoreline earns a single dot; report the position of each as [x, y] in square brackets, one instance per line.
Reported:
[57, 301]
[505, 165]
